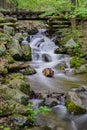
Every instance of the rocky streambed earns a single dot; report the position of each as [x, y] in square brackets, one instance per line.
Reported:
[26, 52]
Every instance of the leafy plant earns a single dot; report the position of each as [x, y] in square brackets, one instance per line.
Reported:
[4, 127]
[32, 113]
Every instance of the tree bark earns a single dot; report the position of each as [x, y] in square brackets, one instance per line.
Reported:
[73, 20]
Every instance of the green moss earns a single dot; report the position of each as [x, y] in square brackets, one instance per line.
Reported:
[29, 71]
[6, 80]
[72, 108]
[10, 59]
[76, 62]
[25, 88]
[5, 71]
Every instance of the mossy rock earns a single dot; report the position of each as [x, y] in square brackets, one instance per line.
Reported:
[4, 37]
[82, 69]
[9, 58]
[5, 71]
[13, 76]
[26, 50]
[8, 107]
[17, 76]
[73, 108]
[2, 50]
[76, 62]
[21, 85]
[29, 71]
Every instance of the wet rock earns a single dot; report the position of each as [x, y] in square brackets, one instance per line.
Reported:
[28, 71]
[33, 31]
[48, 72]
[61, 50]
[81, 89]
[50, 101]
[46, 58]
[61, 67]
[74, 104]
[26, 50]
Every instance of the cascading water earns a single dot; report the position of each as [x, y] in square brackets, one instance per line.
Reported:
[43, 56]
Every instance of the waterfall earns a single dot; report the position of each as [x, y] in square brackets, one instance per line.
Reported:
[43, 56]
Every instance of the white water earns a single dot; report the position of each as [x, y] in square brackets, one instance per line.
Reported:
[43, 57]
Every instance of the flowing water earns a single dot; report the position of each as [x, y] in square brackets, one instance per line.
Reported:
[43, 56]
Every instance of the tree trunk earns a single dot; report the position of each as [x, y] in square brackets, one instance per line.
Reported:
[73, 20]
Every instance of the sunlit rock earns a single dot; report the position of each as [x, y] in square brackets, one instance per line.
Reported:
[48, 72]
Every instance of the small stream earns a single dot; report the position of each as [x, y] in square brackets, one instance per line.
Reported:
[43, 56]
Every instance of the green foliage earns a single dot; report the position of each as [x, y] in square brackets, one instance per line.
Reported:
[55, 7]
[76, 62]
[32, 113]
[4, 127]
[43, 110]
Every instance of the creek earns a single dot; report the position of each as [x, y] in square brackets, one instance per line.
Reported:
[43, 56]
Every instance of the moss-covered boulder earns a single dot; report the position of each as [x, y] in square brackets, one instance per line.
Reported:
[10, 93]
[29, 71]
[16, 66]
[26, 50]
[19, 37]
[15, 50]
[21, 85]
[9, 58]
[9, 30]
[74, 104]
[76, 62]
[8, 107]
[5, 38]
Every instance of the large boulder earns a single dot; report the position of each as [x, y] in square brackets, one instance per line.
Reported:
[74, 104]
[19, 37]
[20, 84]
[48, 72]
[15, 49]
[8, 107]
[5, 38]
[26, 49]
[9, 30]
[28, 71]
[10, 93]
